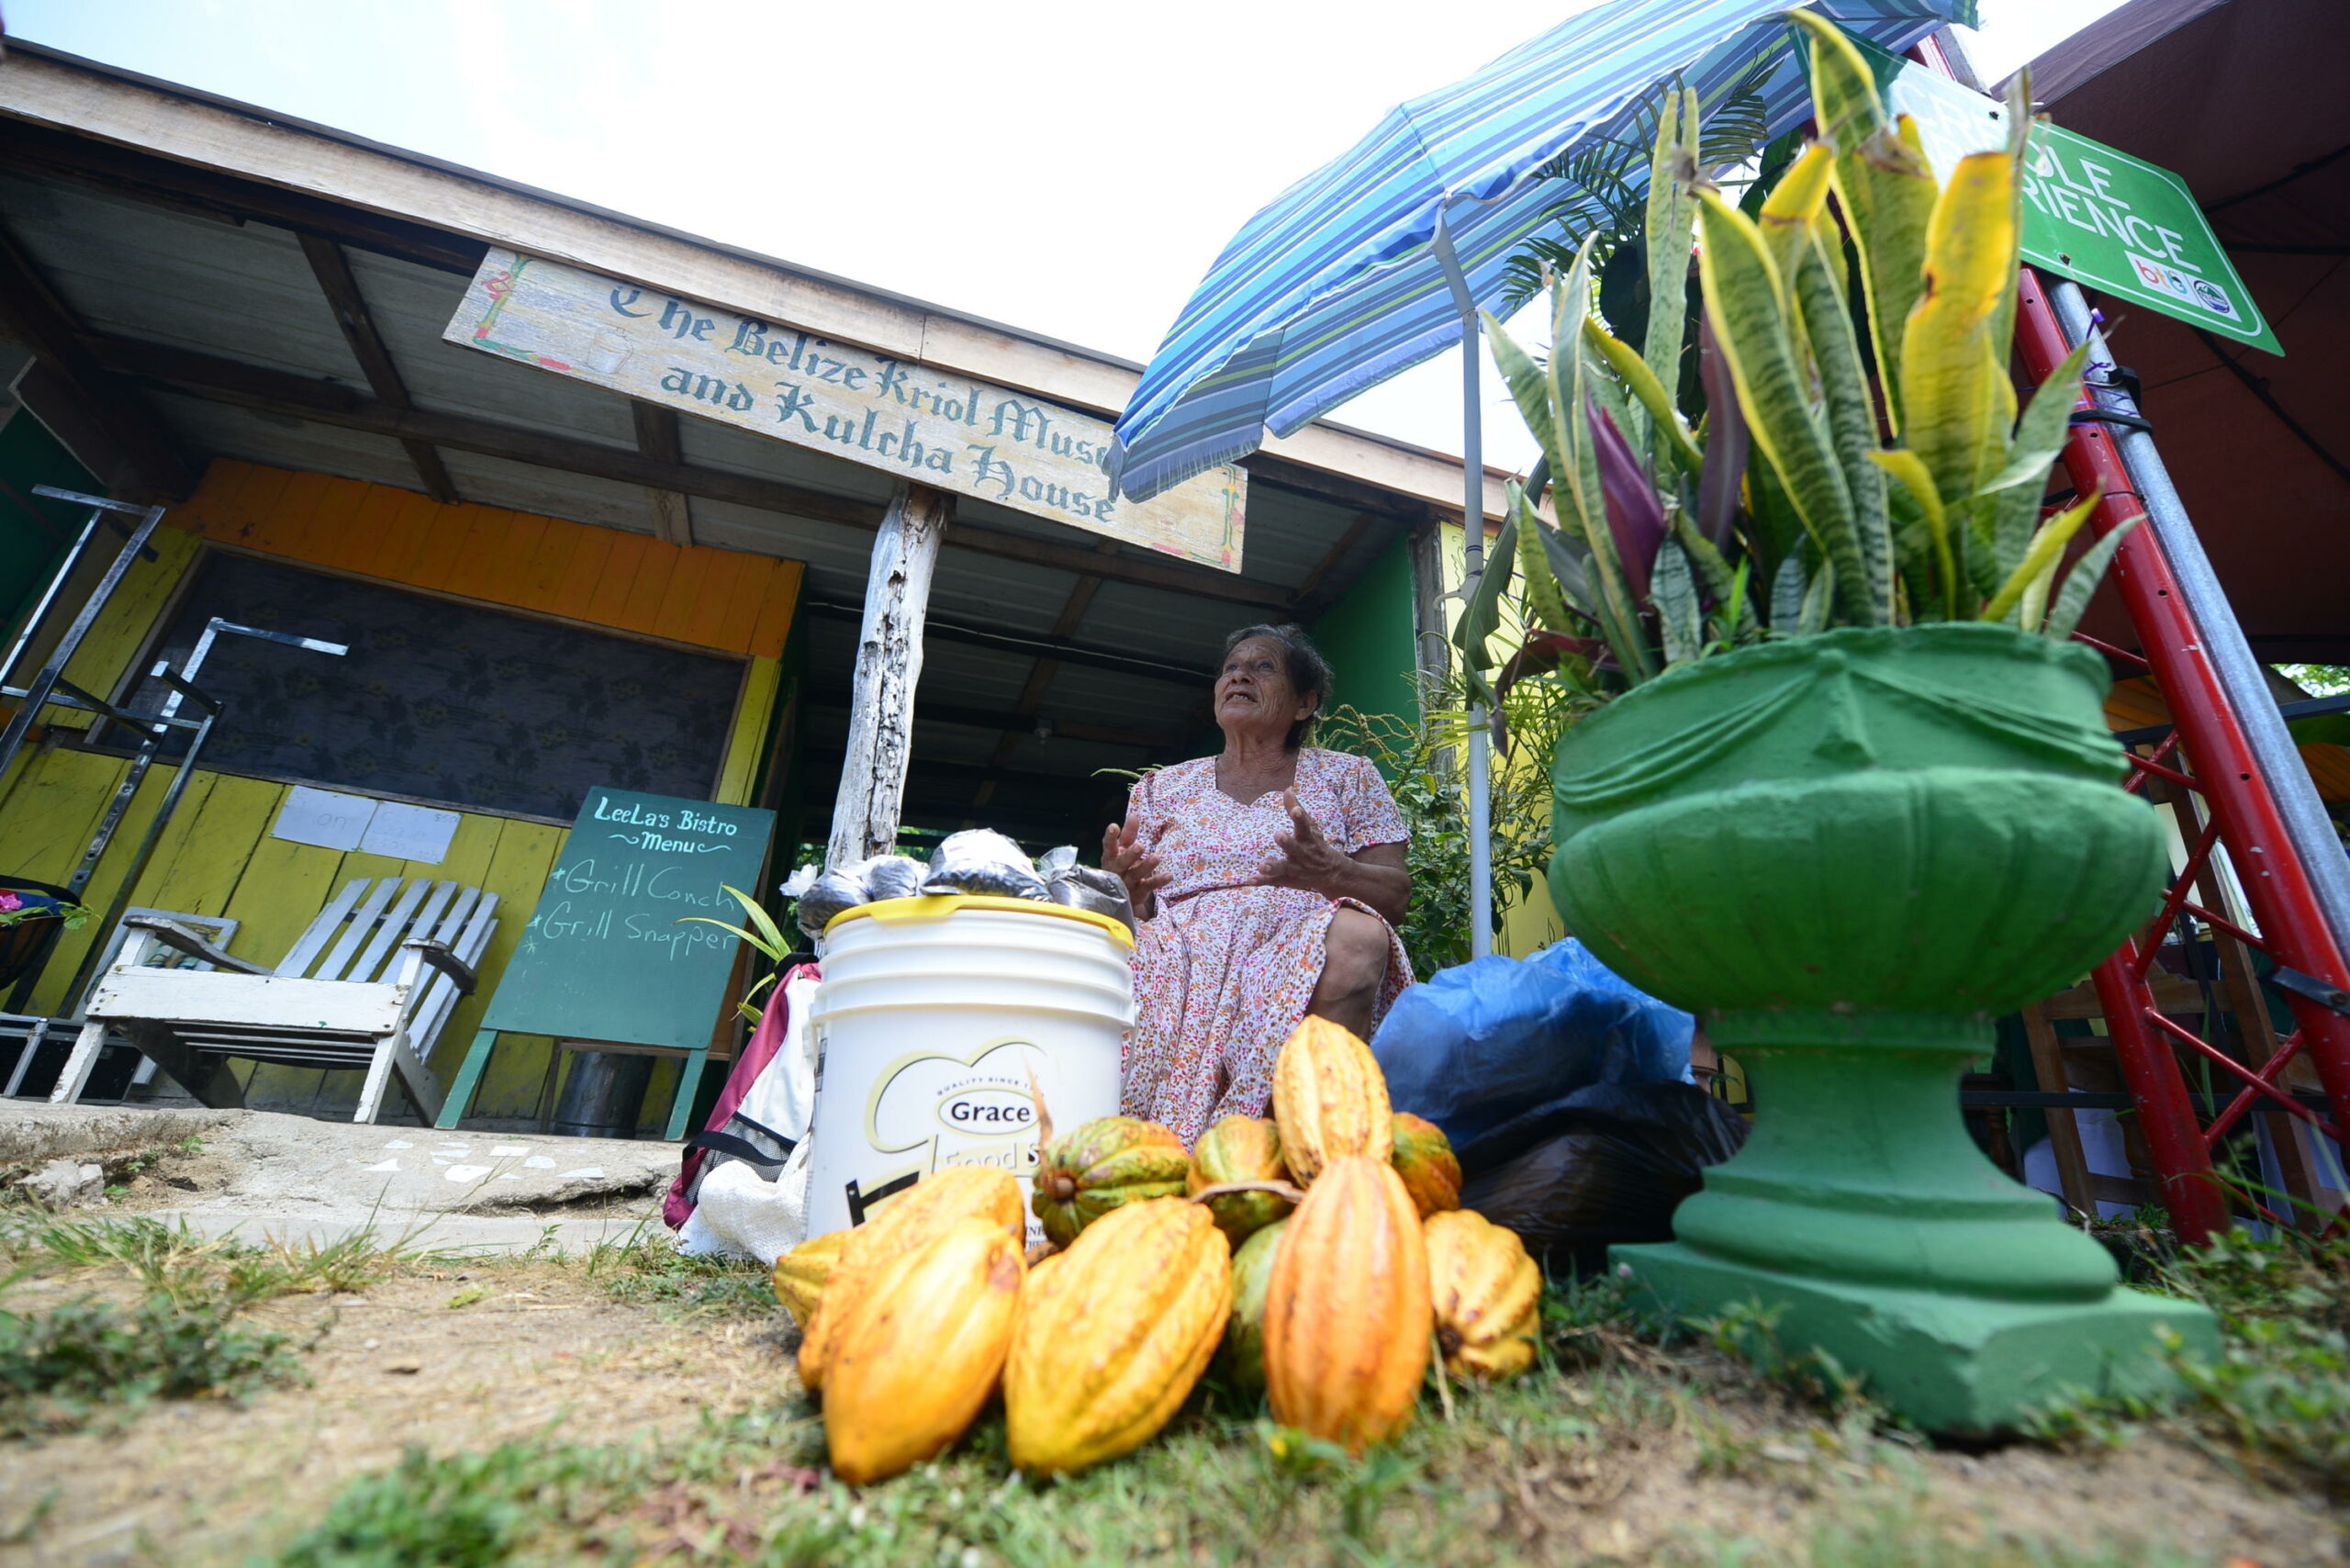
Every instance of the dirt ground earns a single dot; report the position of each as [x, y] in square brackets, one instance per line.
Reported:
[450, 1358]
[458, 1358]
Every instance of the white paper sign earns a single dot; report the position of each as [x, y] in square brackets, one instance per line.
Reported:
[323, 817]
[410, 833]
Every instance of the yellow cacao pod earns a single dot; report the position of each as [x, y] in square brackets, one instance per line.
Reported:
[1487, 1294]
[1346, 1317]
[801, 1273]
[1423, 1157]
[922, 1351]
[902, 1224]
[1329, 1099]
[1240, 1148]
[1113, 1333]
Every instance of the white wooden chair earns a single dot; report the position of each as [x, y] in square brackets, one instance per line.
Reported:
[368, 985]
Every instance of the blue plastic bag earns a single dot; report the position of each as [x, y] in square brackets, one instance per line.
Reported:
[1492, 1038]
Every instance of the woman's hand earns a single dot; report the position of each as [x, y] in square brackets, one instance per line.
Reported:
[1374, 877]
[1125, 856]
[1307, 858]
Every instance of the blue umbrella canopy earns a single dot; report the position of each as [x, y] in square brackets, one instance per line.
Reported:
[1334, 286]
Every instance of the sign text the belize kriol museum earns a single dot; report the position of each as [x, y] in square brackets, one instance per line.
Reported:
[902, 417]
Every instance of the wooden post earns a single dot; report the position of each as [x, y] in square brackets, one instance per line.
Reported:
[888, 667]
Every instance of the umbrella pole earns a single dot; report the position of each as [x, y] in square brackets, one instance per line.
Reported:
[1473, 533]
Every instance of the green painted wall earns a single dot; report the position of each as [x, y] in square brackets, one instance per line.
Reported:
[1366, 637]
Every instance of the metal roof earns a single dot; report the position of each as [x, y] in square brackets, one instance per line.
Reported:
[132, 272]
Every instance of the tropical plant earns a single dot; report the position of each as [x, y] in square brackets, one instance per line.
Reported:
[1852, 467]
[1422, 763]
[765, 938]
[20, 904]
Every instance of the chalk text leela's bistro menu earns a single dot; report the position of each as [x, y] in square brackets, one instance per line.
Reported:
[605, 955]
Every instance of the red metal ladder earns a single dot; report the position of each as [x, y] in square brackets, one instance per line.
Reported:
[2235, 800]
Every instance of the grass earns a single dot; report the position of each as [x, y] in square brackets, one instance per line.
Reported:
[1709, 1444]
[87, 1359]
[644, 1269]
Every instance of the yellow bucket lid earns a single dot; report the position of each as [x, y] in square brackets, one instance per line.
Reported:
[894, 911]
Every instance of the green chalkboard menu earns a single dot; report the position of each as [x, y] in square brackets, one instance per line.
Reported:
[604, 956]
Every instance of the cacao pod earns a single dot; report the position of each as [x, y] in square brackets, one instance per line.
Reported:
[1107, 1163]
[1242, 1359]
[1113, 1333]
[1424, 1159]
[1487, 1294]
[1329, 1098]
[1346, 1317]
[801, 1273]
[1240, 1148]
[922, 1349]
[900, 1226]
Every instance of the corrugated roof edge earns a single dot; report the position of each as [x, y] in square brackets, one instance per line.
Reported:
[1311, 447]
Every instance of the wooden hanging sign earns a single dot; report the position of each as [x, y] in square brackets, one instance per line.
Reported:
[904, 418]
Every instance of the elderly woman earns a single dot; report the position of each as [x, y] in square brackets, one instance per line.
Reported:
[1267, 880]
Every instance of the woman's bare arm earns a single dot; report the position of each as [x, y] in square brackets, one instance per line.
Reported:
[1372, 876]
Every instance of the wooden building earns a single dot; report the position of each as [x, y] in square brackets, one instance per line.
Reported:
[245, 319]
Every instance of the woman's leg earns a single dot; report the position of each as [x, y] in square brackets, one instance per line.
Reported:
[1354, 962]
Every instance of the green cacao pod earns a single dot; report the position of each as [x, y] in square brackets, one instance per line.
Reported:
[1105, 1164]
[1240, 1148]
[1424, 1159]
[1241, 1362]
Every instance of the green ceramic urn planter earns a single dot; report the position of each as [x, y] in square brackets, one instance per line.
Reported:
[1847, 853]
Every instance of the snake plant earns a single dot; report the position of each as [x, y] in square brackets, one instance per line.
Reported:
[1860, 458]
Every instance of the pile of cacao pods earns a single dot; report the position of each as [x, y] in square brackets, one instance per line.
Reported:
[1323, 1255]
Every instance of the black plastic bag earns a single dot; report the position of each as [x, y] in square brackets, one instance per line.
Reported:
[1605, 1165]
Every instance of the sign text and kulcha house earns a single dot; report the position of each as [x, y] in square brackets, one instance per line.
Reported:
[902, 417]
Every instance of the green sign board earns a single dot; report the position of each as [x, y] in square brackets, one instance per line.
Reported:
[2100, 216]
[604, 956]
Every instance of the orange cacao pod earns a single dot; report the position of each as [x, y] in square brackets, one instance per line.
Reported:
[801, 1273]
[902, 1224]
[1486, 1292]
[1329, 1099]
[1113, 1333]
[922, 1349]
[1346, 1317]
[1240, 1148]
[1424, 1159]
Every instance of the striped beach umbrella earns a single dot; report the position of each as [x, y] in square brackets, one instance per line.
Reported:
[1336, 285]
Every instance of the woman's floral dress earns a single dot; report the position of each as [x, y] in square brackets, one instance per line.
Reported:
[1225, 969]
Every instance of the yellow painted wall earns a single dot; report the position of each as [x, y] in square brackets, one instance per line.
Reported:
[216, 857]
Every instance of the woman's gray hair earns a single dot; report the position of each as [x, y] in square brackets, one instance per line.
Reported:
[1302, 662]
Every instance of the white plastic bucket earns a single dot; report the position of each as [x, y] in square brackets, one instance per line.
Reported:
[931, 1017]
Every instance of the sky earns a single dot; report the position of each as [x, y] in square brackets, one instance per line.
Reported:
[1067, 166]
